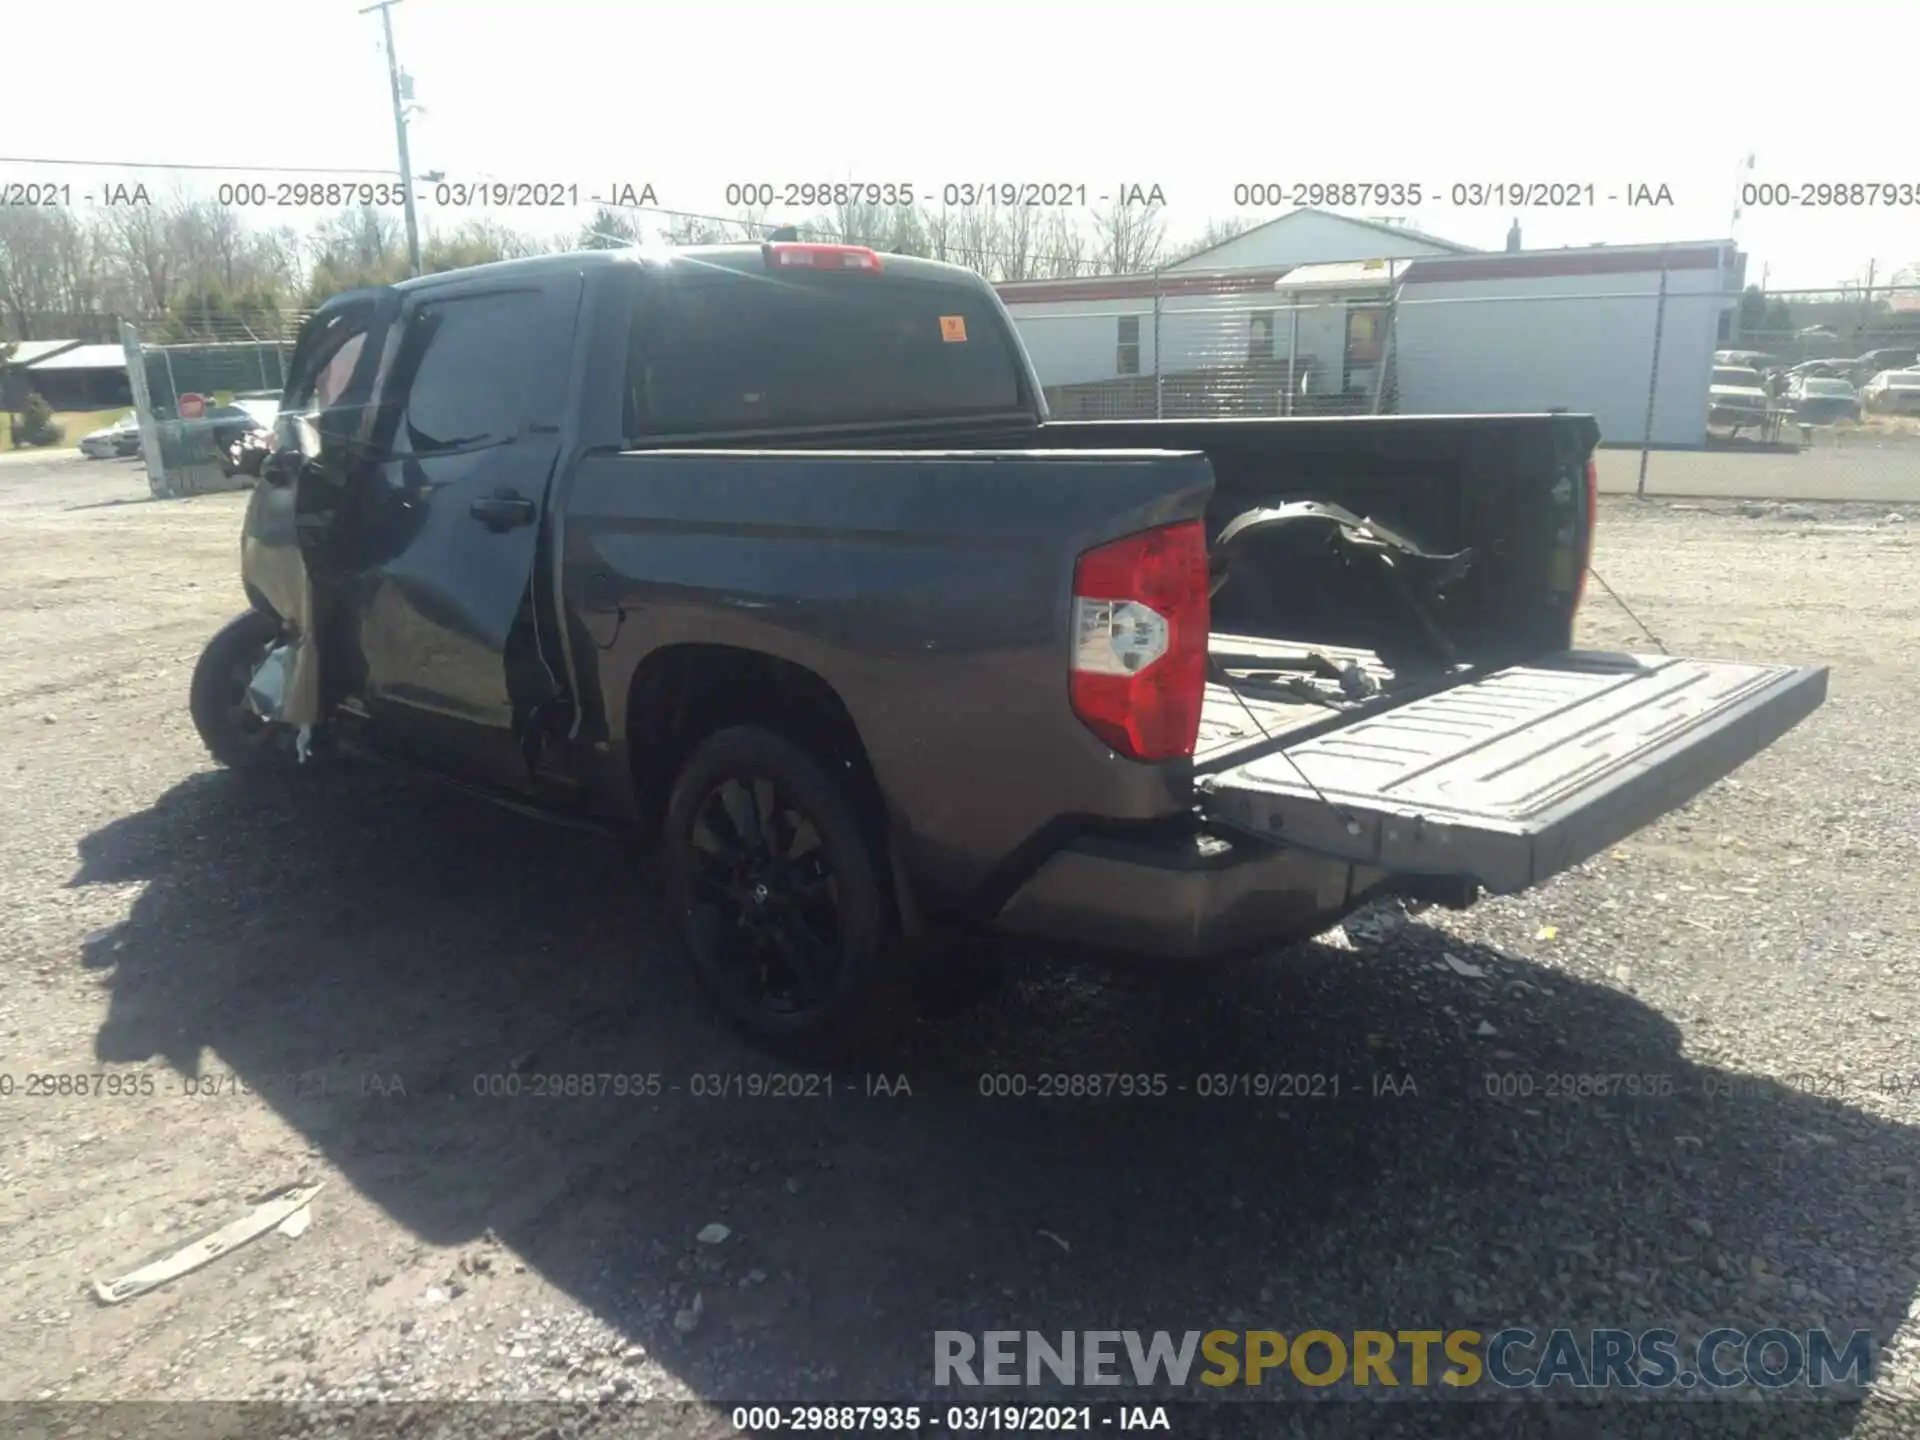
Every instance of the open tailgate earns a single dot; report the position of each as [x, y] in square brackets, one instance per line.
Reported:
[1512, 777]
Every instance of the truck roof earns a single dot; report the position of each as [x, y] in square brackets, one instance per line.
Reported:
[733, 257]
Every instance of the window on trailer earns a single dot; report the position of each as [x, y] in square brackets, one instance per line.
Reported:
[1260, 340]
[1127, 357]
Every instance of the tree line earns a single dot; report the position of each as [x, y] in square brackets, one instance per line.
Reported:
[187, 267]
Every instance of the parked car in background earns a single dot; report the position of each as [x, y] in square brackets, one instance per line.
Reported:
[110, 441]
[1865, 367]
[1893, 392]
[1822, 399]
[1748, 359]
[1737, 398]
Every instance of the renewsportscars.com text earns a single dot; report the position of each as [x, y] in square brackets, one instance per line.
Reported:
[1511, 1359]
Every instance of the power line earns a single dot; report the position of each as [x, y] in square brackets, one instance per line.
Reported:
[235, 169]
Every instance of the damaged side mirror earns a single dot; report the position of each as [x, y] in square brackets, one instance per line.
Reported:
[249, 454]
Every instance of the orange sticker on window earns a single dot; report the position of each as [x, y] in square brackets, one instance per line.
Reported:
[953, 329]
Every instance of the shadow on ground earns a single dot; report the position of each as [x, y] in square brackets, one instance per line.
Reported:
[350, 925]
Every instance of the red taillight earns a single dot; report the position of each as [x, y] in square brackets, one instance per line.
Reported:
[1140, 616]
[1586, 550]
[789, 256]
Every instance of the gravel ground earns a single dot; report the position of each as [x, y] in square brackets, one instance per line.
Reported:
[402, 944]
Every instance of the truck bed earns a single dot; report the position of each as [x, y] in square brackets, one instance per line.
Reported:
[1255, 710]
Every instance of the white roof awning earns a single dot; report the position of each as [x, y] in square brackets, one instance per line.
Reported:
[1343, 275]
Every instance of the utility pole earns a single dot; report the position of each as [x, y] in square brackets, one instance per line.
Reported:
[385, 7]
[1866, 308]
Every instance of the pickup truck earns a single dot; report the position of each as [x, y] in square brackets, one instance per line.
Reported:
[771, 554]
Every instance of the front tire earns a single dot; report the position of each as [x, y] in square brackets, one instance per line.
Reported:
[235, 736]
[777, 896]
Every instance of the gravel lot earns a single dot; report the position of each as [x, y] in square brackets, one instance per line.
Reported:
[1761, 948]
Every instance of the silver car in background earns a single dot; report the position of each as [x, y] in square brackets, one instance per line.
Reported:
[1893, 392]
[1737, 399]
[110, 441]
[1822, 400]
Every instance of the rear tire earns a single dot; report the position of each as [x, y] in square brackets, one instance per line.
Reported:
[234, 736]
[776, 892]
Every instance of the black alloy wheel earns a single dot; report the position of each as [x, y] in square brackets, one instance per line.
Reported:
[778, 898]
[764, 890]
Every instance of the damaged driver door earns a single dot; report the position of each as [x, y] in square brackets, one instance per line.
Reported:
[292, 539]
[453, 668]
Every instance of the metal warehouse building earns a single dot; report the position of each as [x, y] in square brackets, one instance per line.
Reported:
[68, 375]
[1320, 314]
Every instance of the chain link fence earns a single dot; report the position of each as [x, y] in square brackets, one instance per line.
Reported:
[1636, 350]
[221, 360]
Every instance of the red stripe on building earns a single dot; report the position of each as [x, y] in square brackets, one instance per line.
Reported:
[1136, 287]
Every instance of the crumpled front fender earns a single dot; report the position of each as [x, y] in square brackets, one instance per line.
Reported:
[274, 572]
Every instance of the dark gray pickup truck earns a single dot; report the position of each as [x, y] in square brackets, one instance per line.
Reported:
[771, 553]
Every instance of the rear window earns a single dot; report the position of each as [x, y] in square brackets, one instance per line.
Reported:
[1740, 379]
[1828, 387]
[723, 350]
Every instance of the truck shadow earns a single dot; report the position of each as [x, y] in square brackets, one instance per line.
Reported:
[357, 927]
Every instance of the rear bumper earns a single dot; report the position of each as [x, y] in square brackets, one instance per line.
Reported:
[1189, 897]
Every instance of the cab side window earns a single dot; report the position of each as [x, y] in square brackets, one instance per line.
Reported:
[325, 361]
[481, 369]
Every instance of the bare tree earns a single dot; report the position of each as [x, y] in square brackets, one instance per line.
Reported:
[366, 237]
[142, 247]
[749, 222]
[282, 257]
[1129, 239]
[611, 229]
[87, 284]
[352, 248]
[1063, 248]
[502, 240]
[976, 239]
[30, 281]
[1015, 241]
[211, 246]
[697, 230]
[1000, 242]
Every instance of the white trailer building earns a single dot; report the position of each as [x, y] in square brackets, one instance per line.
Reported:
[1571, 330]
[1316, 313]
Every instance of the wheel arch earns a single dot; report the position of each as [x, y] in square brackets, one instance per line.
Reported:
[680, 694]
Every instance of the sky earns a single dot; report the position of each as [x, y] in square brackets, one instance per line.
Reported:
[1195, 97]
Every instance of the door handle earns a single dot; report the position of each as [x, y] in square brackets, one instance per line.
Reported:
[503, 510]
